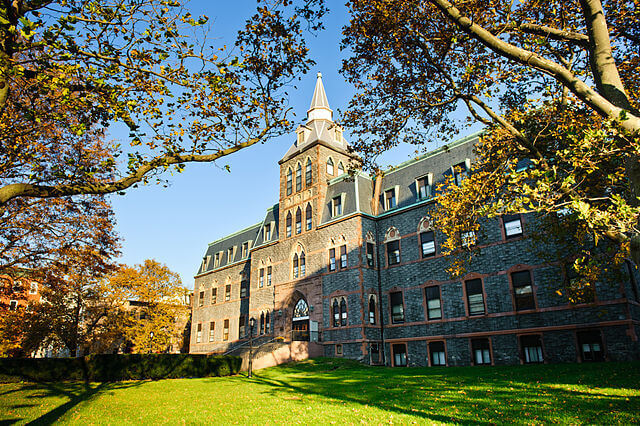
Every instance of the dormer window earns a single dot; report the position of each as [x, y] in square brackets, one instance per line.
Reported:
[298, 178]
[340, 168]
[390, 199]
[230, 255]
[424, 187]
[338, 135]
[267, 232]
[216, 260]
[330, 166]
[308, 178]
[300, 137]
[336, 207]
[289, 181]
[245, 249]
[460, 171]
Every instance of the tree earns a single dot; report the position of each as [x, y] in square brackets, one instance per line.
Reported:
[554, 82]
[71, 69]
[150, 298]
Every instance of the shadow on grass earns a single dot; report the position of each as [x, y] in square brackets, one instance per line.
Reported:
[602, 393]
[77, 393]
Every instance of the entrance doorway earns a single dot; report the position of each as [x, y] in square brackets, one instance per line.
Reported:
[300, 321]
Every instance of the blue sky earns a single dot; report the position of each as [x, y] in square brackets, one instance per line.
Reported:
[174, 225]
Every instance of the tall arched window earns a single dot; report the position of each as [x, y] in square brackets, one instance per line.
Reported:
[302, 265]
[343, 312]
[309, 217]
[340, 168]
[262, 323]
[289, 181]
[295, 265]
[298, 221]
[336, 313]
[267, 323]
[298, 177]
[289, 224]
[308, 179]
[372, 309]
[330, 166]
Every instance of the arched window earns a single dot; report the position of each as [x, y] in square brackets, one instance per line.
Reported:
[298, 177]
[340, 168]
[330, 166]
[343, 312]
[295, 265]
[307, 173]
[267, 323]
[289, 181]
[289, 224]
[262, 323]
[298, 221]
[372, 309]
[301, 311]
[336, 313]
[309, 217]
[302, 265]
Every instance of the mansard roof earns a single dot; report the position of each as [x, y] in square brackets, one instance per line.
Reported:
[223, 245]
[272, 218]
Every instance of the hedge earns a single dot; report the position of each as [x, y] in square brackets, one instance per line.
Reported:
[109, 368]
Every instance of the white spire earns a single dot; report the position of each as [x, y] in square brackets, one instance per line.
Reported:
[319, 108]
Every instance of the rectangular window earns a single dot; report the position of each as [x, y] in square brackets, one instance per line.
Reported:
[370, 252]
[434, 308]
[428, 244]
[243, 289]
[241, 327]
[332, 259]
[480, 351]
[475, 297]
[390, 199]
[343, 257]
[13, 305]
[201, 299]
[339, 349]
[512, 225]
[261, 279]
[468, 238]
[393, 252]
[337, 206]
[199, 333]
[33, 288]
[225, 331]
[397, 307]
[424, 188]
[227, 292]
[399, 355]
[245, 250]
[299, 178]
[309, 218]
[216, 260]
[522, 290]
[590, 343]
[267, 232]
[437, 353]
[214, 296]
[230, 255]
[268, 275]
[531, 349]
[212, 331]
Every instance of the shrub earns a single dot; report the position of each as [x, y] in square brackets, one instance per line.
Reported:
[105, 368]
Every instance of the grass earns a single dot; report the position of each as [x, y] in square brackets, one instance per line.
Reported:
[326, 391]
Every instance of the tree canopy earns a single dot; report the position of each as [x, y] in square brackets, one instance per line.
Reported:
[70, 70]
[555, 82]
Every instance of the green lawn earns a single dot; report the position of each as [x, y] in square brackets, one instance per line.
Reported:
[337, 391]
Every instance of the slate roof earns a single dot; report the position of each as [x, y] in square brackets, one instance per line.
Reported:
[223, 244]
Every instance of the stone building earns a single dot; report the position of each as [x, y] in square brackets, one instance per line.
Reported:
[346, 265]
